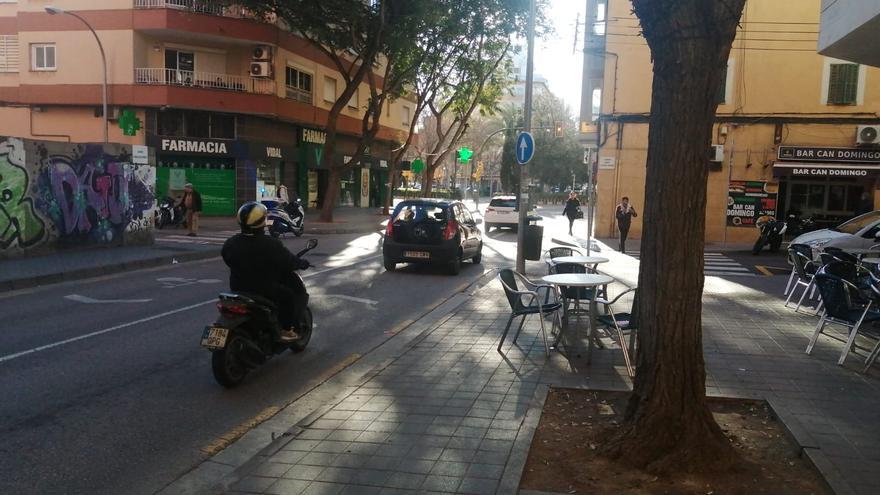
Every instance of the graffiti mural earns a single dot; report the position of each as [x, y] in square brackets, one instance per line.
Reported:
[60, 195]
[19, 224]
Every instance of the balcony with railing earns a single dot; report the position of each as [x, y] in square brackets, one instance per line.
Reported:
[204, 80]
[203, 7]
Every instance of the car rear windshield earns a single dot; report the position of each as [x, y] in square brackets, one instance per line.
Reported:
[503, 203]
[858, 223]
[420, 213]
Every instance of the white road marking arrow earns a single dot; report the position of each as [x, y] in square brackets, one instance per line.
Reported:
[91, 300]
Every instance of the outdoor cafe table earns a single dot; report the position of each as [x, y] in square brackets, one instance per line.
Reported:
[586, 280]
[578, 260]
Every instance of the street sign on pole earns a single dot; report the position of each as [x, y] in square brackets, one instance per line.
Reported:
[525, 148]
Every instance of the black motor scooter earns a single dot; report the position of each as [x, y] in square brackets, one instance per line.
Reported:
[771, 232]
[169, 214]
[245, 334]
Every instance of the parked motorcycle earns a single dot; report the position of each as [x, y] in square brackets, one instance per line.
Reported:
[771, 232]
[798, 225]
[245, 334]
[169, 214]
[285, 218]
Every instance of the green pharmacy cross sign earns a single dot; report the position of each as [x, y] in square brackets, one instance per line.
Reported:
[129, 123]
[465, 154]
[417, 166]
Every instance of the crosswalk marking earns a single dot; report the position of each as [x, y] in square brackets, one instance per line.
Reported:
[717, 264]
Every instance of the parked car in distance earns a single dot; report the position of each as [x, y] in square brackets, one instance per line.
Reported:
[503, 211]
[861, 232]
[434, 231]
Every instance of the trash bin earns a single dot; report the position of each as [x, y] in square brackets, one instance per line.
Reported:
[534, 235]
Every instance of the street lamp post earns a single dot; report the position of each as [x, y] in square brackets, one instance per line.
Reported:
[56, 11]
[527, 127]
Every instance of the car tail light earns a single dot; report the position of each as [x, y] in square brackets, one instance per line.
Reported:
[489, 209]
[451, 230]
[389, 229]
[238, 309]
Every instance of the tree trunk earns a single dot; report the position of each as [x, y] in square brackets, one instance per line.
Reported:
[331, 194]
[428, 183]
[392, 185]
[668, 424]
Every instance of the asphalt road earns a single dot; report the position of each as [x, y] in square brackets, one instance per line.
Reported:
[106, 390]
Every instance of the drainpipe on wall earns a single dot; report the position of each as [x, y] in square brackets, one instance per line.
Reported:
[34, 134]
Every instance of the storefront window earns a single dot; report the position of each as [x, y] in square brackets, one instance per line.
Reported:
[837, 198]
[170, 123]
[807, 197]
[222, 126]
[198, 125]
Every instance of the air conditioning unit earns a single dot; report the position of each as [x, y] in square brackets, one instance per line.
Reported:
[716, 153]
[262, 53]
[261, 69]
[868, 134]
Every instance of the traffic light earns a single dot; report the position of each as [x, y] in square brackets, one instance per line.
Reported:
[464, 154]
[559, 129]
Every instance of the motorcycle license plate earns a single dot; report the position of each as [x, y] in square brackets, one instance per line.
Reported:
[417, 254]
[214, 337]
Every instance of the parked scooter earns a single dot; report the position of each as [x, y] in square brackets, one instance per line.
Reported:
[286, 218]
[245, 334]
[798, 225]
[169, 214]
[772, 232]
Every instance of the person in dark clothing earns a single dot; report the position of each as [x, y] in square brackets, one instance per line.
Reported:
[572, 210]
[192, 205]
[624, 214]
[261, 265]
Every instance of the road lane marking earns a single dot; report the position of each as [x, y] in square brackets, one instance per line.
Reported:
[368, 302]
[91, 300]
[34, 350]
[10, 357]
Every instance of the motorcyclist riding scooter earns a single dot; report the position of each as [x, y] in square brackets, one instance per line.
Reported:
[260, 264]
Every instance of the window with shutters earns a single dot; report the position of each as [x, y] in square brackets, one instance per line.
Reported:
[843, 84]
[9, 53]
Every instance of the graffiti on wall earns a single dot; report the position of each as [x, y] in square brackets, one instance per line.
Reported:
[63, 195]
[19, 223]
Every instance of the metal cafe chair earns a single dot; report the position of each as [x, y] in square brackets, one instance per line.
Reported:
[807, 251]
[623, 322]
[535, 299]
[805, 268]
[558, 252]
[844, 306]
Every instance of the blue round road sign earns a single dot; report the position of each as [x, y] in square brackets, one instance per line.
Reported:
[525, 148]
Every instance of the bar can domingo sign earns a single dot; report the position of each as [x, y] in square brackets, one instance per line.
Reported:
[749, 200]
[840, 155]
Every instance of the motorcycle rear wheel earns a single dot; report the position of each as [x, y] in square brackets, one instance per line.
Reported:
[304, 329]
[226, 364]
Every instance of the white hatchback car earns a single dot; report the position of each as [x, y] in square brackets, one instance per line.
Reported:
[503, 212]
[861, 232]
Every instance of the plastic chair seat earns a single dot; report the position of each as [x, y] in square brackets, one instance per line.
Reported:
[622, 319]
[535, 309]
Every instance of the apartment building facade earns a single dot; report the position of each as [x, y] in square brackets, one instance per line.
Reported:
[795, 131]
[230, 102]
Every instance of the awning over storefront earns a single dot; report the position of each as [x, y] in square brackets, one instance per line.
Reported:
[823, 170]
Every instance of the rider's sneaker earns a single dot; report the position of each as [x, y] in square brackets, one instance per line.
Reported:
[289, 335]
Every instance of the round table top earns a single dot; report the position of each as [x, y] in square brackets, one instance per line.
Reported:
[577, 279]
[580, 260]
[875, 261]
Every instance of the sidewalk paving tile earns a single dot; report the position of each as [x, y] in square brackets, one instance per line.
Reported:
[452, 415]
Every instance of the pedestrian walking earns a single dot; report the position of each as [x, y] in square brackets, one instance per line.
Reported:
[625, 213]
[192, 203]
[572, 210]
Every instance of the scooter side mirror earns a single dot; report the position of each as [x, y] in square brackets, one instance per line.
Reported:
[312, 244]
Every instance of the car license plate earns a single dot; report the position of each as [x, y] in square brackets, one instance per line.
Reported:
[214, 337]
[417, 254]
[503, 212]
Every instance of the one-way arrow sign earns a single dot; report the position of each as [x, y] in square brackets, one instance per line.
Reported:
[525, 148]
